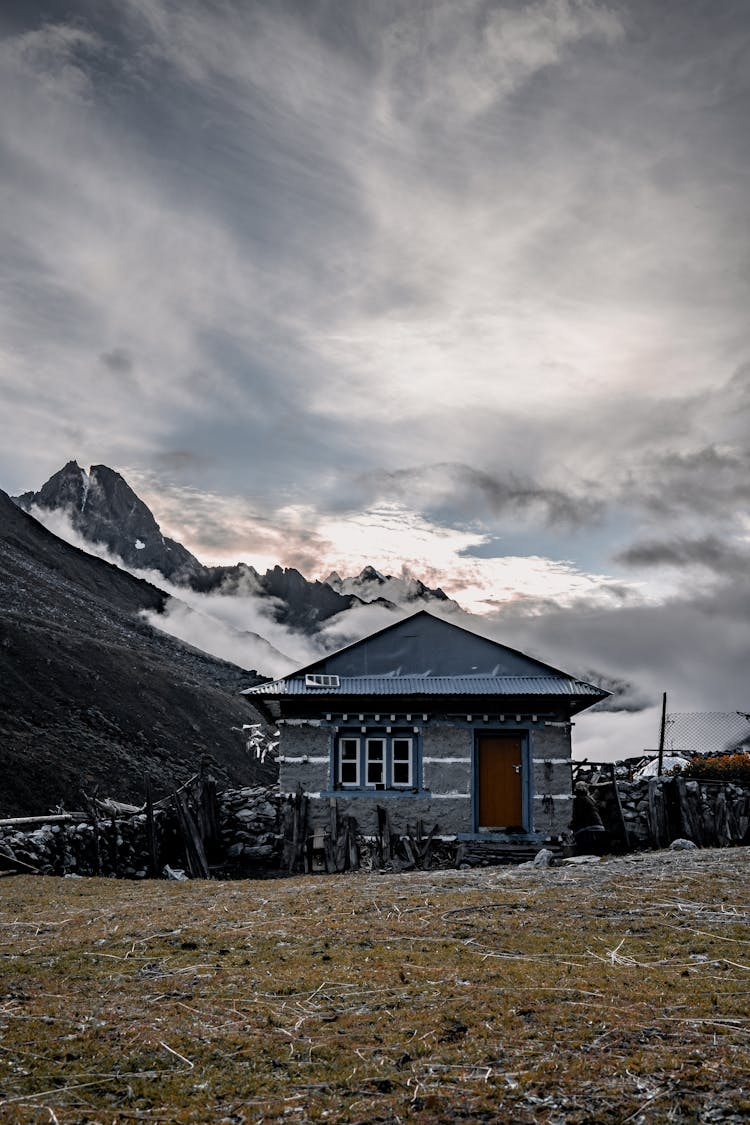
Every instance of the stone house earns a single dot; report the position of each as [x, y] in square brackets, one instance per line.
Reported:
[431, 721]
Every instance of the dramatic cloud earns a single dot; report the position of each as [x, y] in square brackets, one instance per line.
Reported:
[458, 286]
[460, 492]
[710, 552]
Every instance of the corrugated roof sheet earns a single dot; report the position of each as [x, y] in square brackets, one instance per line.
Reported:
[432, 685]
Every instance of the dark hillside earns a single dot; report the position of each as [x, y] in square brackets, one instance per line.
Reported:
[92, 695]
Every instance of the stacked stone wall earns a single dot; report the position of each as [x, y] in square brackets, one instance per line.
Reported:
[653, 812]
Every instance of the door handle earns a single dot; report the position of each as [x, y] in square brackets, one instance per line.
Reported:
[517, 769]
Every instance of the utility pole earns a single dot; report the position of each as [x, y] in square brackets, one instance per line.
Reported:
[662, 732]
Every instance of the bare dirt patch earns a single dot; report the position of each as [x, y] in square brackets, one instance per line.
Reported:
[616, 992]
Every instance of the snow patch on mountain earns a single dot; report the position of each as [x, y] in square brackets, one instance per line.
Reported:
[86, 486]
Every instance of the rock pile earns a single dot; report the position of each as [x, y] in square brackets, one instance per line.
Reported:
[709, 813]
[118, 846]
[111, 848]
[250, 828]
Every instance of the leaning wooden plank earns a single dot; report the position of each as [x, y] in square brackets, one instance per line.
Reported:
[351, 832]
[329, 854]
[153, 855]
[296, 832]
[426, 856]
[723, 830]
[340, 850]
[656, 817]
[298, 851]
[51, 818]
[409, 851]
[620, 823]
[162, 804]
[303, 852]
[108, 806]
[332, 840]
[91, 804]
[385, 834]
[688, 823]
[210, 816]
[194, 852]
[9, 864]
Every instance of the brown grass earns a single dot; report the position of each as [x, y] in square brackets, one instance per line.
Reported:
[616, 992]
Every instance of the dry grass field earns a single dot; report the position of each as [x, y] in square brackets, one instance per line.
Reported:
[614, 992]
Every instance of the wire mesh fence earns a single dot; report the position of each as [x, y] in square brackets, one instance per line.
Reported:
[705, 732]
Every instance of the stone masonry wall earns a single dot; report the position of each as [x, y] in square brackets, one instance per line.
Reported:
[553, 804]
[304, 757]
[658, 810]
[446, 776]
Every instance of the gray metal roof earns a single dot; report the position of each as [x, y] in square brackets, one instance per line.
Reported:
[431, 685]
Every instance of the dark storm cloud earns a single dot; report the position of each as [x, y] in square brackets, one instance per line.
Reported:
[695, 647]
[458, 493]
[624, 696]
[119, 361]
[706, 482]
[711, 552]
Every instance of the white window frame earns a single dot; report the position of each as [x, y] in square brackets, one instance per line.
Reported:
[363, 742]
[409, 760]
[382, 761]
[357, 759]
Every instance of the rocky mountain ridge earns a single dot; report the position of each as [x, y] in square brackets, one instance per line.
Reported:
[370, 585]
[104, 509]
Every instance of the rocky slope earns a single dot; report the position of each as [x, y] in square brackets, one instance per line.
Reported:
[91, 695]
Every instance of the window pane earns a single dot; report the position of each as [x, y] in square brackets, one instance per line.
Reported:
[375, 761]
[401, 773]
[374, 773]
[349, 761]
[401, 764]
[348, 773]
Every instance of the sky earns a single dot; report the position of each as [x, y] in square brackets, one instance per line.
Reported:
[453, 286]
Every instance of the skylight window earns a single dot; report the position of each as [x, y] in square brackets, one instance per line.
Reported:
[314, 679]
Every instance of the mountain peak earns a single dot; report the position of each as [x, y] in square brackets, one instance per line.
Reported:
[104, 509]
[66, 488]
[370, 574]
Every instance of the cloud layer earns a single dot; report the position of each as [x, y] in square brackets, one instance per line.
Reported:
[460, 285]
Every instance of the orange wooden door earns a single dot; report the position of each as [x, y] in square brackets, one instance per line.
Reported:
[500, 801]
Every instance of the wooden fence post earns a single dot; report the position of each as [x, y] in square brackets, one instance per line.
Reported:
[153, 858]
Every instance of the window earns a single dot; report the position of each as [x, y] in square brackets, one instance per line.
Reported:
[315, 679]
[376, 761]
[348, 773]
[402, 761]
